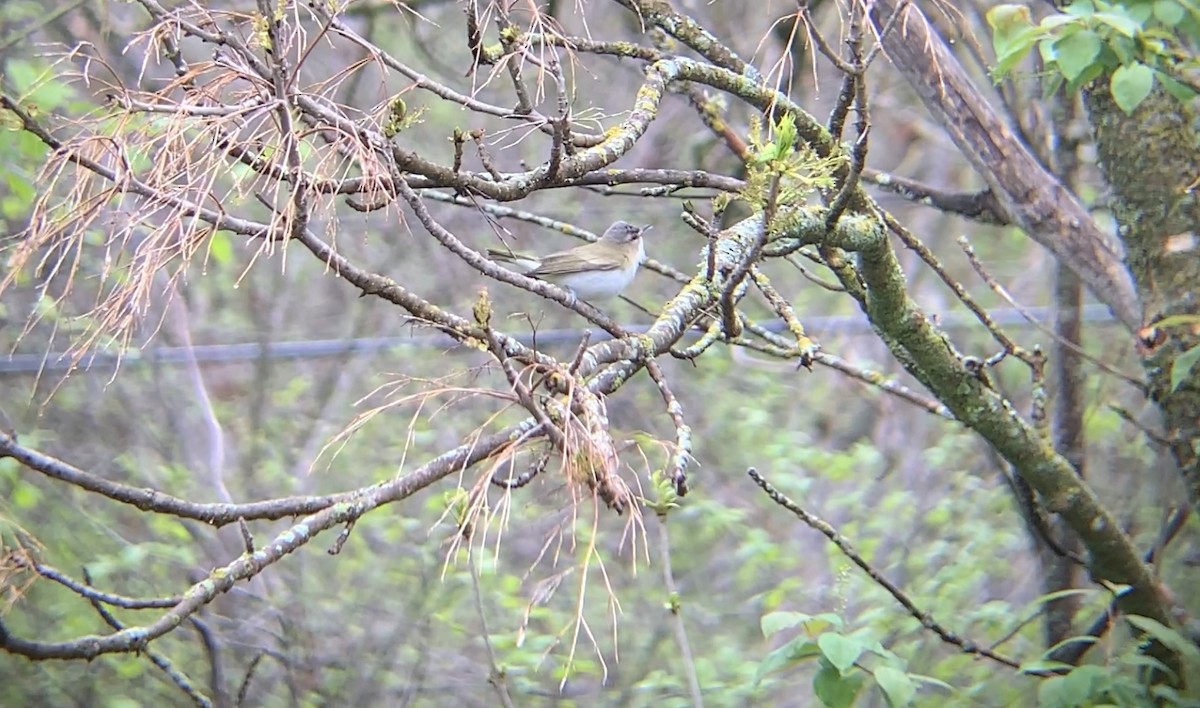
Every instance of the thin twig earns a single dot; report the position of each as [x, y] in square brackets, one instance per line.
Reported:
[676, 607]
[677, 467]
[497, 676]
[844, 546]
[1000, 290]
[174, 675]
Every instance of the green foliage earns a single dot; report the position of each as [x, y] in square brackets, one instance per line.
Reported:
[847, 663]
[1135, 44]
[37, 89]
[39, 92]
[851, 663]
[1123, 681]
[665, 498]
[400, 118]
[1182, 366]
[782, 168]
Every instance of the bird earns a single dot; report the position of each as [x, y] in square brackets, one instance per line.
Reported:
[594, 271]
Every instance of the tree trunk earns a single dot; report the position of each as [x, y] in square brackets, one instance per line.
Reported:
[1151, 161]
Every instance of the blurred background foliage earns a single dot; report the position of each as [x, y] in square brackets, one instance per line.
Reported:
[399, 617]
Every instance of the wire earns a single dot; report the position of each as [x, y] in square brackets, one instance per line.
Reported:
[105, 362]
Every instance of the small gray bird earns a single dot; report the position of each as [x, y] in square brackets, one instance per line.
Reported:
[593, 271]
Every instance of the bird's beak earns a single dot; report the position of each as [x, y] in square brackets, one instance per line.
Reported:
[645, 228]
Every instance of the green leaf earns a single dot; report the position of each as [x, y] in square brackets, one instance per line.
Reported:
[1080, 639]
[1076, 52]
[803, 650]
[835, 690]
[1166, 636]
[37, 85]
[1146, 663]
[768, 154]
[1121, 22]
[841, 651]
[779, 621]
[1056, 21]
[794, 652]
[896, 685]
[1086, 681]
[1130, 85]
[1093, 71]
[1013, 35]
[1007, 20]
[1169, 12]
[1182, 367]
[1177, 321]
[821, 622]
[1080, 8]
[1139, 12]
[1169, 696]
[931, 681]
[1059, 594]
[1117, 589]
[785, 131]
[771, 663]
[1121, 50]
[1179, 90]
[1008, 60]
[1052, 84]
[20, 187]
[1057, 693]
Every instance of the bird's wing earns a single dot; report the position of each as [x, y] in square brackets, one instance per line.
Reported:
[566, 262]
[504, 255]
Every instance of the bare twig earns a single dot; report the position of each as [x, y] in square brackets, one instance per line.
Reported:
[677, 467]
[174, 675]
[1000, 290]
[844, 546]
[676, 608]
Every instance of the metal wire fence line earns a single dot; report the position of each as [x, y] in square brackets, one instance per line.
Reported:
[104, 362]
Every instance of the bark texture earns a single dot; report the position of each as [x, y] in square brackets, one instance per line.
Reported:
[1150, 160]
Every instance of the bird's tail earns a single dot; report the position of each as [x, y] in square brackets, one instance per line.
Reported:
[518, 261]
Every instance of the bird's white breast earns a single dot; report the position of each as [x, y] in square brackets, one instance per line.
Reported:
[605, 284]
